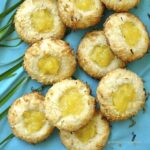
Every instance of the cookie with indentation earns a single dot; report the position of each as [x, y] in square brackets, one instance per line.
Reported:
[27, 118]
[120, 94]
[38, 19]
[49, 61]
[68, 104]
[92, 136]
[120, 5]
[80, 14]
[127, 36]
[95, 55]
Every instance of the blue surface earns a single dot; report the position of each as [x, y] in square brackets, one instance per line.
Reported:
[121, 134]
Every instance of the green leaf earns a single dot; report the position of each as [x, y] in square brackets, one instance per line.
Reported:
[9, 27]
[9, 10]
[4, 45]
[7, 30]
[13, 61]
[5, 33]
[11, 75]
[4, 113]
[9, 22]
[10, 71]
[7, 138]
[5, 27]
[11, 92]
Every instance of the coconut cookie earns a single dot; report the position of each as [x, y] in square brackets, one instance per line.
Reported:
[49, 61]
[127, 36]
[95, 55]
[120, 94]
[27, 118]
[120, 5]
[38, 19]
[68, 105]
[92, 136]
[79, 14]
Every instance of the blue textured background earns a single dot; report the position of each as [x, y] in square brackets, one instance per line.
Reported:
[121, 134]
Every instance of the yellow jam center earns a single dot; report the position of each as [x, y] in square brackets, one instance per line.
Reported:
[48, 65]
[86, 133]
[102, 55]
[123, 96]
[71, 103]
[131, 33]
[42, 20]
[33, 120]
[85, 5]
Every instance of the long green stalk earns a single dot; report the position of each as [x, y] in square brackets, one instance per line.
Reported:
[4, 113]
[13, 61]
[9, 10]
[5, 45]
[4, 32]
[7, 29]
[7, 138]
[12, 91]
[11, 75]
[10, 71]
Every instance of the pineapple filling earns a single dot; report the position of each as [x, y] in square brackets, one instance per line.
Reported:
[123, 96]
[85, 5]
[86, 133]
[131, 33]
[33, 120]
[42, 20]
[102, 55]
[71, 103]
[48, 65]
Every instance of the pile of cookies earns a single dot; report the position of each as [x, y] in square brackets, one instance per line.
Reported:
[102, 54]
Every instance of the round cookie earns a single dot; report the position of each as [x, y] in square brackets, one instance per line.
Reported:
[80, 14]
[92, 136]
[120, 94]
[120, 5]
[27, 118]
[95, 55]
[49, 61]
[38, 19]
[68, 104]
[127, 36]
